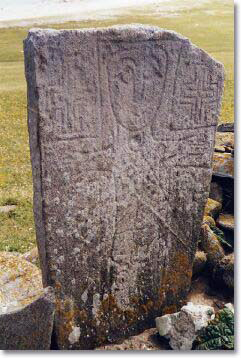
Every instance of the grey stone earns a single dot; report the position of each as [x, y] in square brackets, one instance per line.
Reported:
[181, 328]
[223, 273]
[122, 123]
[226, 127]
[26, 309]
[7, 208]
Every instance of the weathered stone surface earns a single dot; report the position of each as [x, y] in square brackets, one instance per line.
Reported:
[223, 273]
[26, 309]
[226, 221]
[223, 165]
[20, 282]
[181, 328]
[216, 192]
[226, 127]
[199, 262]
[224, 139]
[122, 124]
[212, 208]
[211, 245]
[209, 221]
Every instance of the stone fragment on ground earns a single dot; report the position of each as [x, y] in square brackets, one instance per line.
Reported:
[121, 171]
[7, 208]
[181, 328]
[223, 273]
[226, 127]
[225, 221]
[224, 139]
[20, 282]
[26, 309]
[212, 208]
[223, 164]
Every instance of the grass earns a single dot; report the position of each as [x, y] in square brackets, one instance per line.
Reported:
[210, 28]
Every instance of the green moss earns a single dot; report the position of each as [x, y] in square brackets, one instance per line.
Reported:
[219, 334]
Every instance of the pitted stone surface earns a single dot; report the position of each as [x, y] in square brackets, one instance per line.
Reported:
[122, 123]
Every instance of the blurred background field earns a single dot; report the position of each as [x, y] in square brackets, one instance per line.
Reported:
[209, 25]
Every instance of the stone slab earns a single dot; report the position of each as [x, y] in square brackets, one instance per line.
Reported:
[122, 124]
[26, 309]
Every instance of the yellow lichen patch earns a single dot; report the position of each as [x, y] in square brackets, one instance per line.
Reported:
[209, 221]
[66, 314]
[223, 164]
[176, 281]
[225, 139]
[20, 282]
[212, 208]
[211, 245]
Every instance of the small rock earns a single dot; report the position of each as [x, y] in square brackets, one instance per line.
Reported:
[223, 165]
[32, 256]
[216, 192]
[212, 208]
[223, 274]
[230, 306]
[199, 262]
[7, 208]
[181, 328]
[26, 309]
[226, 221]
[224, 139]
[209, 221]
[29, 328]
[20, 282]
[226, 127]
[219, 149]
[211, 245]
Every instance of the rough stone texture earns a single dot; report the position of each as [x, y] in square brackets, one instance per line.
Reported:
[199, 262]
[223, 273]
[226, 221]
[20, 282]
[226, 127]
[216, 192]
[181, 328]
[209, 221]
[223, 165]
[211, 245]
[224, 139]
[122, 124]
[26, 309]
[212, 208]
